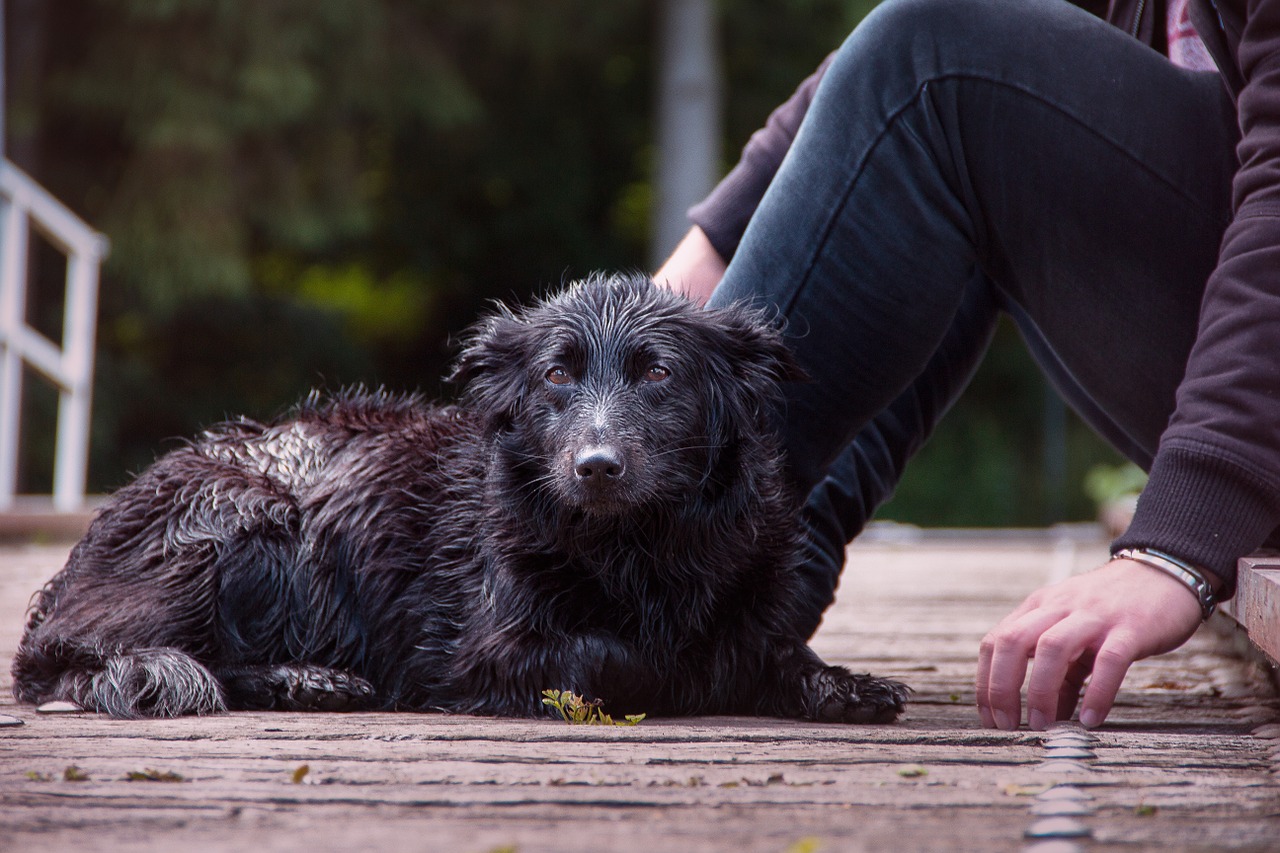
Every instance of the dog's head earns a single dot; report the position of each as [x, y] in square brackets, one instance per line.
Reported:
[616, 393]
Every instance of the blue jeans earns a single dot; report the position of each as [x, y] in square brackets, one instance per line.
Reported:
[963, 158]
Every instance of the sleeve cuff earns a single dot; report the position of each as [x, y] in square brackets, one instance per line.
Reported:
[1204, 507]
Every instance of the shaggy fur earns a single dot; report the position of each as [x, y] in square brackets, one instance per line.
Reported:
[604, 513]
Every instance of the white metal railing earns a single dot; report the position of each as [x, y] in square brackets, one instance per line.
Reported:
[24, 205]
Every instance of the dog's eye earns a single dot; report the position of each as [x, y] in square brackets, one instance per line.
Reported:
[559, 376]
[657, 373]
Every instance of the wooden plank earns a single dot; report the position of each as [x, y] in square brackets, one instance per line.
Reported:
[1256, 605]
[1176, 766]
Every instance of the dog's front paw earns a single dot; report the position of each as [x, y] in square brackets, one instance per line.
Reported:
[296, 687]
[835, 695]
[316, 688]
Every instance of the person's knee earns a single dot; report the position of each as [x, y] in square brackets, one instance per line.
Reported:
[932, 38]
[932, 26]
[902, 44]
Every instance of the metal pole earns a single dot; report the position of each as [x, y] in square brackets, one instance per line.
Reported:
[688, 132]
[3, 101]
[13, 268]
[10, 363]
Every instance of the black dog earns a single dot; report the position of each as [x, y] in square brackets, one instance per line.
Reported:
[604, 513]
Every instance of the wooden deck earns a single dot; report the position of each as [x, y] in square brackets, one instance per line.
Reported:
[1186, 762]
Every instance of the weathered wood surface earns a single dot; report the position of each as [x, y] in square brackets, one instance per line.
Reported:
[1185, 762]
[1256, 606]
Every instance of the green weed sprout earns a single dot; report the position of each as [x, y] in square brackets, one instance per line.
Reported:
[577, 711]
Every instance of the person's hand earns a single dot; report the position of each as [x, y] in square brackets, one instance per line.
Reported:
[694, 268]
[1097, 623]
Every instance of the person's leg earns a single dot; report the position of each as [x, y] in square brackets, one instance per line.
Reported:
[867, 471]
[1021, 140]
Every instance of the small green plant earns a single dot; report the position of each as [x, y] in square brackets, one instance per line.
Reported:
[1106, 483]
[149, 775]
[577, 711]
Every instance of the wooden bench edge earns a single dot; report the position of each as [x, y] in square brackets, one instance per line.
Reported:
[1256, 605]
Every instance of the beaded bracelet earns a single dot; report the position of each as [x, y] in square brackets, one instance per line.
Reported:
[1177, 569]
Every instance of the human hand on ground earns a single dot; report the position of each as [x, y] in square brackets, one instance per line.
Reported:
[694, 268]
[1097, 623]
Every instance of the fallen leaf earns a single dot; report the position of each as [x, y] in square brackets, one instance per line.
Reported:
[775, 779]
[149, 775]
[1166, 685]
[910, 771]
[1012, 789]
[74, 774]
[808, 844]
[301, 773]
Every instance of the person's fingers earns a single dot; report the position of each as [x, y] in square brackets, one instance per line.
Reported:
[1009, 646]
[1100, 623]
[1073, 685]
[1109, 667]
[986, 650]
[1056, 651]
[982, 683]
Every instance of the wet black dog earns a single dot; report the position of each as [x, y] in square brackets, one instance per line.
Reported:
[604, 513]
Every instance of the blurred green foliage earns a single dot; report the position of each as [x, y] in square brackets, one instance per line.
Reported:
[311, 193]
[1106, 483]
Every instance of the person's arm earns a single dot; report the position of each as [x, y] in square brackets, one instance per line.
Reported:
[694, 268]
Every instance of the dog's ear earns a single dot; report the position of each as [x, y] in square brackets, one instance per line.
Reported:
[744, 359]
[756, 346]
[490, 365]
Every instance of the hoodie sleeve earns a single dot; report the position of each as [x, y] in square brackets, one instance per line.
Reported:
[1214, 491]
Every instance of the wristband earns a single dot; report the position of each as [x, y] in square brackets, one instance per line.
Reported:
[1191, 577]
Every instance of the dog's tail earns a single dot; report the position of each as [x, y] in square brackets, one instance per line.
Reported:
[154, 682]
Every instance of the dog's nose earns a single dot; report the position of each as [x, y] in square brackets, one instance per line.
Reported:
[600, 464]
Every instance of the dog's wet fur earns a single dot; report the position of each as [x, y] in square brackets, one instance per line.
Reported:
[605, 512]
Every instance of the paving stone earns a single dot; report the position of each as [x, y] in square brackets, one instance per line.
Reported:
[1055, 846]
[1070, 739]
[1069, 793]
[1063, 766]
[1058, 827]
[1061, 808]
[1060, 752]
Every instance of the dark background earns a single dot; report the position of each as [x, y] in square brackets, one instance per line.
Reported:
[306, 193]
